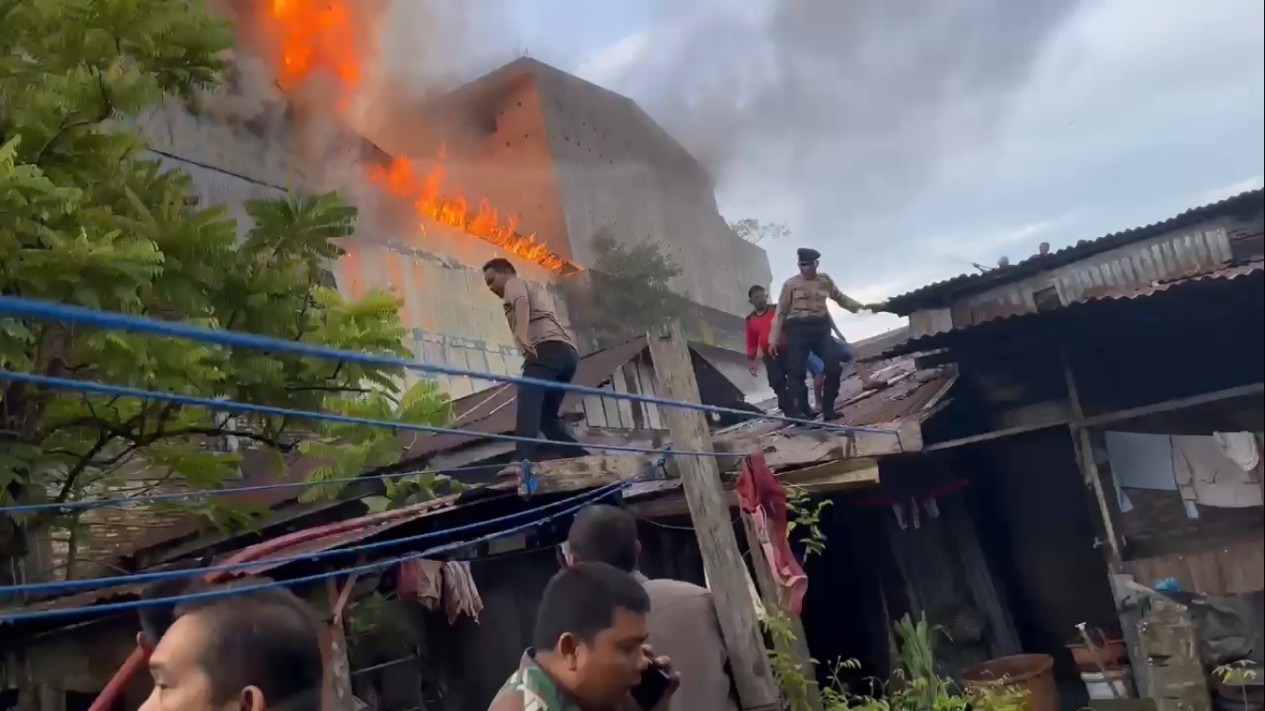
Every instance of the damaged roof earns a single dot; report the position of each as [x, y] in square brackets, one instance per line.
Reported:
[939, 293]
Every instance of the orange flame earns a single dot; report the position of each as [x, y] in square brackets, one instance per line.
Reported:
[401, 179]
[326, 37]
[317, 36]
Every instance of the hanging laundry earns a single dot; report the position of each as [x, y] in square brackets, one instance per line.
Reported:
[421, 581]
[1240, 447]
[461, 597]
[764, 498]
[1206, 476]
[1140, 461]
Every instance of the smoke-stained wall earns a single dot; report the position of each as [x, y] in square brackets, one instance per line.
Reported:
[450, 316]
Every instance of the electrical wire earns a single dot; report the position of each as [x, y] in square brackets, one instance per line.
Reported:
[235, 406]
[216, 594]
[159, 498]
[63, 585]
[43, 310]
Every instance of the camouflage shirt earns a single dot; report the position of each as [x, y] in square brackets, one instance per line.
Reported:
[531, 689]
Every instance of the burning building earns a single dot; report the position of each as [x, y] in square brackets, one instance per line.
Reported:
[527, 162]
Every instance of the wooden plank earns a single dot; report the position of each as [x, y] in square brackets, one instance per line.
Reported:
[1106, 418]
[1178, 404]
[587, 472]
[722, 562]
[800, 447]
[1092, 461]
[823, 478]
[796, 649]
[979, 576]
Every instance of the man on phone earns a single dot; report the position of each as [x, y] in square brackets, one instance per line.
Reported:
[682, 622]
[549, 353]
[590, 650]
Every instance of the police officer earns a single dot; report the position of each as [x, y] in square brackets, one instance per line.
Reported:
[803, 318]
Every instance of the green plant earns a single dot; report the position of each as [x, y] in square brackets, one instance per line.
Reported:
[806, 516]
[88, 218]
[914, 686]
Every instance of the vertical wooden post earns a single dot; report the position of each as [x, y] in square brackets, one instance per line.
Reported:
[709, 510]
[1091, 459]
[338, 694]
[796, 649]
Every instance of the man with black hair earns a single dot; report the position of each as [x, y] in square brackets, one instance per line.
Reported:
[758, 326]
[549, 353]
[250, 651]
[589, 646]
[803, 322]
[683, 623]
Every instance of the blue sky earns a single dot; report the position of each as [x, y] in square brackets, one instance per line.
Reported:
[907, 139]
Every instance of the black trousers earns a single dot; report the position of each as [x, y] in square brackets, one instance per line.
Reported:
[811, 335]
[775, 368]
[538, 406]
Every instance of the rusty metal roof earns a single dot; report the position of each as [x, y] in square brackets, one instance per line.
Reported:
[274, 553]
[942, 291]
[1251, 270]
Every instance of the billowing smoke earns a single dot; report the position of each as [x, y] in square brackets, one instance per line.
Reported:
[849, 105]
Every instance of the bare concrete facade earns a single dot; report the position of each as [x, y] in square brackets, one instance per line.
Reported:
[576, 162]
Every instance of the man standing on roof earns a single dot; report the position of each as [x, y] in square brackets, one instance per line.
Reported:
[759, 324]
[803, 317]
[549, 353]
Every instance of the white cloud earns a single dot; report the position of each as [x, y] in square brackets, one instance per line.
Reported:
[612, 61]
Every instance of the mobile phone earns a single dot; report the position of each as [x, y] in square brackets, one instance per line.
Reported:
[653, 685]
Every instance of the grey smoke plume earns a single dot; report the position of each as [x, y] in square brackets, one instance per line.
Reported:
[847, 104]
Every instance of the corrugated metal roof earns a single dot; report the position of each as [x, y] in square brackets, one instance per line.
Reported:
[276, 555]
[1092, 296]
[935, 294]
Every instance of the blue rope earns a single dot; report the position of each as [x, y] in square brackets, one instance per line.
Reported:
[31, 308]
[158, 498]
[63, 585]
[235, 406]
[214, 594]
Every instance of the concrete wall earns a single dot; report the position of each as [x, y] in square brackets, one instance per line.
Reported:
[621, 175]
[451, 317]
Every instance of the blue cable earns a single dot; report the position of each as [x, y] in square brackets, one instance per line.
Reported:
[235, 406]
[31, 308]
[214, 594]
[63, 585]
[157, 498]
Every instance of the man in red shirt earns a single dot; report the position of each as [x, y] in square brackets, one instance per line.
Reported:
[759, 323]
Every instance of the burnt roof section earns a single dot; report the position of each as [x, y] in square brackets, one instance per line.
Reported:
[940, 293]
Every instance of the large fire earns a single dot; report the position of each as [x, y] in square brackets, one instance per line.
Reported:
[401, 179]
[325, 37]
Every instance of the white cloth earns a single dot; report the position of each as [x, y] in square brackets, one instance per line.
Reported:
[1240, 447]
[1206, 476]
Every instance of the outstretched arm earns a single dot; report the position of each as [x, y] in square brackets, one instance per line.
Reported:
[843, 299]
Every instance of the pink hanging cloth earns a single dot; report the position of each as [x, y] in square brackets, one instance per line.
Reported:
[764, 498]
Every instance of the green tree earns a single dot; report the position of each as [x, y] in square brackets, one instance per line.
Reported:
[755, 232]
[630, 285]
[87, 219]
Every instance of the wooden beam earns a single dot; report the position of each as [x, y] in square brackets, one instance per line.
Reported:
[1171, 405]
[796, 648]
[820, 479]
[1091, 458]
[722, 562]
[1105, 418]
